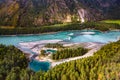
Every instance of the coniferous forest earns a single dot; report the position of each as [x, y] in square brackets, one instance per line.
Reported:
[12, 63]
[67, 53]
[104, 65]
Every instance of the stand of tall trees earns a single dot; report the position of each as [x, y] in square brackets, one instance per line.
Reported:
[68, 52]
[12, 62]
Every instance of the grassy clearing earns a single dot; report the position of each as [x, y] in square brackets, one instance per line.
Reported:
[59, 25]
[112, 21]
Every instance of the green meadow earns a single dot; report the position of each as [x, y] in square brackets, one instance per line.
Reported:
[112, 21]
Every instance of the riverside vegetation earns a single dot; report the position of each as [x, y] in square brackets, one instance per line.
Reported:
[102, 26]
[104, 65]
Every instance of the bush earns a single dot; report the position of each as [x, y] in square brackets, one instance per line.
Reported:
[54, 45]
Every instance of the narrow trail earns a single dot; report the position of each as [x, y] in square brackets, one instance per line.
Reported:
[95, 47]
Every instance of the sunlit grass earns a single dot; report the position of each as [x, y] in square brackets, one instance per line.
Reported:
[60, 25]
[7, 27]
[112, 21]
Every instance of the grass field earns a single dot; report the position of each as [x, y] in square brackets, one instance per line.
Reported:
[112, 21]
[7, 27]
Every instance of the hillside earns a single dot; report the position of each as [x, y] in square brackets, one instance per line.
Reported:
[28, 13]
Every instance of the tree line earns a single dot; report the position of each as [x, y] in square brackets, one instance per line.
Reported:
[51, 28]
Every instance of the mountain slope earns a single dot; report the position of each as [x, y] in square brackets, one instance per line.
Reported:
[40, 12]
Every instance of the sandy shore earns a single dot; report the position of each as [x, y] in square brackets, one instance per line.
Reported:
[37, 45]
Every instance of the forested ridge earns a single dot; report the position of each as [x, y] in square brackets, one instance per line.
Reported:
[12, 63]
[104, 65]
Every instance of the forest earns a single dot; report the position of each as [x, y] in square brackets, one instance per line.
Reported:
[12, 63]
[68, 53]
[104, 65]
[102, 26]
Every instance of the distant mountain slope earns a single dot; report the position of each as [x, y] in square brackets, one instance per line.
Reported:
[39, 12]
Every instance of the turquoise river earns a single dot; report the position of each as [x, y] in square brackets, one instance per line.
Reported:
[71, 36]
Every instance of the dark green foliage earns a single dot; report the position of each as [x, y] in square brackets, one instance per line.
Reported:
[12, 61]
[67, 53]
[55, 45]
